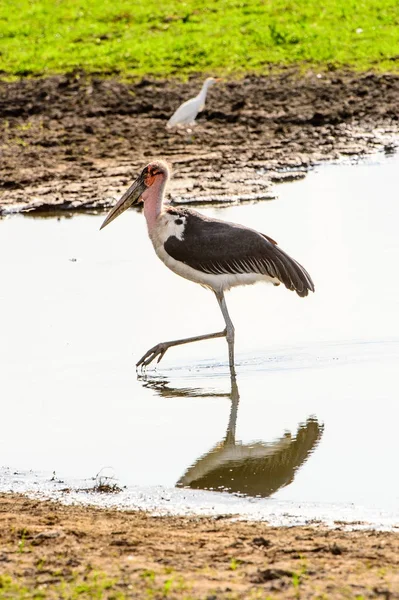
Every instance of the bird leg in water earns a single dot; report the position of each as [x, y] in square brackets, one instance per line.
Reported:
[229, 327]
[160, 349]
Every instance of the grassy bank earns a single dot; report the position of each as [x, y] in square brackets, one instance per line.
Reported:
[137, 38]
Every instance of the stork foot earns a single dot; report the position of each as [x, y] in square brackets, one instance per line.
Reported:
[156, 351]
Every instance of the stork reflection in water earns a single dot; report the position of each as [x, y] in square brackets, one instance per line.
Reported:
[256, 469]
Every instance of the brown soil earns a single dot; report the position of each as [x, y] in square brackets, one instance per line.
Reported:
[44, 544]
[76, 142]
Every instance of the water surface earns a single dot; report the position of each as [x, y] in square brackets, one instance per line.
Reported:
[311, 429]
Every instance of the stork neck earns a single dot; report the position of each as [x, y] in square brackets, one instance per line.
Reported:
[153, 200]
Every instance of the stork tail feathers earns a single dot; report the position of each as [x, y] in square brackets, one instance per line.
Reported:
[293, 275]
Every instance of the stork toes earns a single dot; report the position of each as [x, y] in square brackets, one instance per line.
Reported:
[156, 351]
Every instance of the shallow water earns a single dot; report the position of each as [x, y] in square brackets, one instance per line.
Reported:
[310, 431]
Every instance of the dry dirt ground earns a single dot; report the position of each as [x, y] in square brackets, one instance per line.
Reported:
[76, 142]
[59, 551]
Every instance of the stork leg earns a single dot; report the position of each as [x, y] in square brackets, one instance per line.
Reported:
[160, 349]
[229, 328]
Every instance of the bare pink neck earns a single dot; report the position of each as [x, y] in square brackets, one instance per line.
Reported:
[153, 199]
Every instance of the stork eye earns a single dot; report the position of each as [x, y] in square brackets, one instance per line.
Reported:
[178, 221]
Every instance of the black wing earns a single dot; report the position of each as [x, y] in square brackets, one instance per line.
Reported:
[219, 247]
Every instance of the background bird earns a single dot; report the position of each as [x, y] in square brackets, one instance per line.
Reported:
[214, 253]
[188, 111]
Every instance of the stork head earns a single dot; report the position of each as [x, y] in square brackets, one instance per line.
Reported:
[155, 174]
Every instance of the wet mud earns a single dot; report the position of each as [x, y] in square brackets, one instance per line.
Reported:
[73, 142]
[48, 548]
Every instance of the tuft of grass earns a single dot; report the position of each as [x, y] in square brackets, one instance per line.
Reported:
[135, 38]
[148, 574]
[22, 542]
[298, 576]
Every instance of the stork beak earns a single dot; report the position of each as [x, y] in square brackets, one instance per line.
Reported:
[129, 198]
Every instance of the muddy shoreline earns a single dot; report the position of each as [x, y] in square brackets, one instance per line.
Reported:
[73, 143]
[45, 545]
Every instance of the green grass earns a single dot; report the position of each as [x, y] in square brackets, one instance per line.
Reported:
[169, 37]
[95, 587]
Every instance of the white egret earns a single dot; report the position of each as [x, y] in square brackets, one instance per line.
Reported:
[188, 111]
